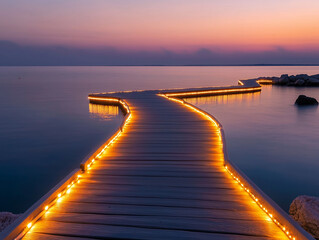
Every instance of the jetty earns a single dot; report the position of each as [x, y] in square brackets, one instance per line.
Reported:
[164, 174]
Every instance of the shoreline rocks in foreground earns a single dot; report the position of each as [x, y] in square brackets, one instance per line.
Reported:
[299, 80]
[6, 218]
[305, 210]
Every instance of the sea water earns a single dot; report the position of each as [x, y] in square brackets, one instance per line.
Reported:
[47, 125]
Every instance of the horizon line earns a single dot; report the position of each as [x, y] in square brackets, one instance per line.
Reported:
[169, 65]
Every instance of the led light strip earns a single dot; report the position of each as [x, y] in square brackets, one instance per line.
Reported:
[58, 199]
[235, 90]
[67, 190]
[255, 199]
[260, 81]
[265, 81]
[104, 99]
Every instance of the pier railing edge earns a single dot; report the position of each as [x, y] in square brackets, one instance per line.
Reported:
[25, 222]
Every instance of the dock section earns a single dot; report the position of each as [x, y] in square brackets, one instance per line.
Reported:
[165, 174]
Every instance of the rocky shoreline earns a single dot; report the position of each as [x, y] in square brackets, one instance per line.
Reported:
[6, 218]
[300, 80]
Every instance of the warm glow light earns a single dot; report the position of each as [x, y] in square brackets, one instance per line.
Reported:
[259, 204]
[219, 128]
[208, 92]
[103, 99]
[68, 188]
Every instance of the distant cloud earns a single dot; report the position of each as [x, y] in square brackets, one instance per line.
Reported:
[12, 54]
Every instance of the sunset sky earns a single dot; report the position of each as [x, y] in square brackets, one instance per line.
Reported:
[179, 27]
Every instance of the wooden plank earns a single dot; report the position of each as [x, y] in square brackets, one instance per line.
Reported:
[187, 203]
[228, 226]
[146, 190]
[159, 181]
[125, 209]
[122, 232]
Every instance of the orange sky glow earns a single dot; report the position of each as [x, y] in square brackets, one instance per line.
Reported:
[175, 25]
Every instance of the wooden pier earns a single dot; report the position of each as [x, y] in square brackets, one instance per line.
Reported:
[164, 174]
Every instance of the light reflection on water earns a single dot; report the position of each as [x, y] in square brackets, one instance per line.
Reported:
[103, 112]
[274, 142]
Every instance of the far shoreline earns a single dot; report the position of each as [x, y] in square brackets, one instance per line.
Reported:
[159, 65]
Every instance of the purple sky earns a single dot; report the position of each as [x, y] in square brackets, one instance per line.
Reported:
[168, 32]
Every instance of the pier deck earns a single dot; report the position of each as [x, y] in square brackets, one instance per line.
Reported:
[163, 176]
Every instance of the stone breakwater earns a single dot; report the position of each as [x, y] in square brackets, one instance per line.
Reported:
[294, 80]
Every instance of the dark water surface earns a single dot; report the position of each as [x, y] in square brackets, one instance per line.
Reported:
[274, 142]
[47, 126]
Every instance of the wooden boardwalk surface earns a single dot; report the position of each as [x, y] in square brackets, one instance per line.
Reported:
[163, 178]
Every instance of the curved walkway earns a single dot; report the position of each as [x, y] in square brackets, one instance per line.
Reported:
[162, 177]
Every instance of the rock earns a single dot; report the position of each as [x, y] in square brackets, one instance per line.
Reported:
[313, 81]
[283, 79]
[300, 82]
[6, 218]
[305, 210]
[284, 76]
[292, 78]
[302, 76]
[315, 76]
[275, 80]
[291, 84]
[304, 100]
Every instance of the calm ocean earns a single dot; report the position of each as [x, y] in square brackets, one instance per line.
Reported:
[47, 125]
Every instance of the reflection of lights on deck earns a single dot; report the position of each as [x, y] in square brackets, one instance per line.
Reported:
[68, 188]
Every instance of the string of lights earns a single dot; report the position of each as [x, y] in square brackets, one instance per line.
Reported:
[65, 191]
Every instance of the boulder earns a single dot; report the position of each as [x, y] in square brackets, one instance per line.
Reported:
[315, 76]
[292, 78]
[284, 79]
[6, 218]
[305, 210]
[304, 100]
[275, 80]
[300, 82]
[291, 84]
[313, 81]
[302, 76]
